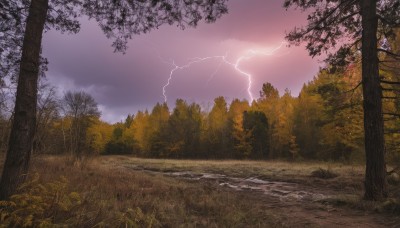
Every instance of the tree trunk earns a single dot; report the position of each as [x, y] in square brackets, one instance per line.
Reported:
[20, 143]
[375, 173]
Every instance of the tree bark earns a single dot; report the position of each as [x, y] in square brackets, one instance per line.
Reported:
[22, 132]
[375, 173]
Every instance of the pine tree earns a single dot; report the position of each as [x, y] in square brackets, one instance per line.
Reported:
[329, 22]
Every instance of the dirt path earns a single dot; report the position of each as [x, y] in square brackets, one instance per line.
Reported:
[294, 204]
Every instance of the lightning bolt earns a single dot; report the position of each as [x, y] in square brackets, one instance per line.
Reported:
[249, 54]
[176, 67]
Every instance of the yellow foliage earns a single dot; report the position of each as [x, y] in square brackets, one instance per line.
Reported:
[134, 218]
[38, 204]
[98, 135]
[51, 205]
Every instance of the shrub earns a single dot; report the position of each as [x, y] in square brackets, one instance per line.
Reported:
[51, 205]
[324, 173]
[38, 204]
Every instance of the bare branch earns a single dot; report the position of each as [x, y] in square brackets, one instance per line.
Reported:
[390, 89]
[353, 89]
[390, 82]
[391, 114]
[394, 55]
[393, 98]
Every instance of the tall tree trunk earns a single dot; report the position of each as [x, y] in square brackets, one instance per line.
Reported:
[375, 173]
[23, 127]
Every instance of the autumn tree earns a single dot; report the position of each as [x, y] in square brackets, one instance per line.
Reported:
[283, 130]
[184, 127]
[82, 109]
[390, 74]
[121, 140]
[328, 116]
[342, 102]
[158, 118]
[240, 139]
[98, 134]
[139, 130]
[268, 104]
[216, 130]
[353, 24]
[25, 22]
[307, 117]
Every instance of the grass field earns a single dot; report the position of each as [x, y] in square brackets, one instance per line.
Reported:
[350, 176]
[120, 191]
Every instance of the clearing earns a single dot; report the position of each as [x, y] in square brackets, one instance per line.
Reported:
[285, 189]
[122, 190]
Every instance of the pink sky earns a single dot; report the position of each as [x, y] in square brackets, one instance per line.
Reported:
[124, 84]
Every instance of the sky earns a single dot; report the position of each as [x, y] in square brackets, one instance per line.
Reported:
[247, 44]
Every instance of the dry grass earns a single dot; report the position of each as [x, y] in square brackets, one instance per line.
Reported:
[111, 191]
[349, 180]
[108, 192]
[346, 186]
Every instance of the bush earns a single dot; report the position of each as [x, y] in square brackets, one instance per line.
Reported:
[118, 148]
[324, 173]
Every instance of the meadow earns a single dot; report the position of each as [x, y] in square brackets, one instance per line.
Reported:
[123, 191]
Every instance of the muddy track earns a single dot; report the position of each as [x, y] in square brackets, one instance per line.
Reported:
[295, 205]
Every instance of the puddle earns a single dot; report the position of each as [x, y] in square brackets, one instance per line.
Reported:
[283, 190]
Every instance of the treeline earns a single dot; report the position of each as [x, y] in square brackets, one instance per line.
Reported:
[324, 122]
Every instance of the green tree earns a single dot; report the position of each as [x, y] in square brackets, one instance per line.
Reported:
[268, 91]
[185, 121]
[180, 138]
[129, 120]
[256, 124]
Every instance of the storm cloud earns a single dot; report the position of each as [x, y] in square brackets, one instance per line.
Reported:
[126, 83]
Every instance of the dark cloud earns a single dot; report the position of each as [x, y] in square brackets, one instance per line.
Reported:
[122, 84]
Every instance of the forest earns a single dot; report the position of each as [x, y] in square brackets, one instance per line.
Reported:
[323, 123]
[327, 157]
